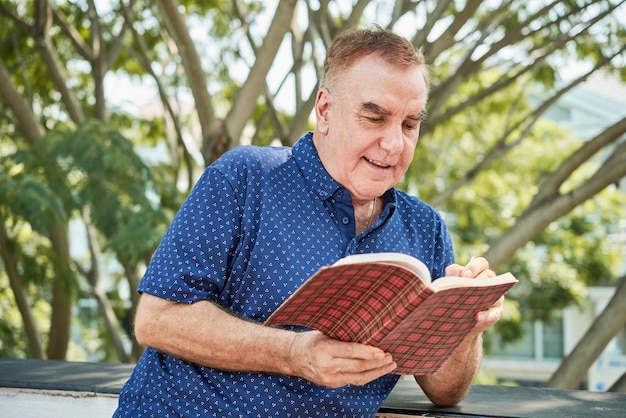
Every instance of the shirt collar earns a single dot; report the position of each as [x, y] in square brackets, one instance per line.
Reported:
[312, 169]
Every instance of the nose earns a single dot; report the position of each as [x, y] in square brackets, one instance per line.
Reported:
[392, 140]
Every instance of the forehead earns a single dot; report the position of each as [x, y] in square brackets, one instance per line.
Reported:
[374, 80]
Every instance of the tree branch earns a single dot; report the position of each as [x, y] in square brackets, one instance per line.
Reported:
[575, 365]
[550, 207]
[553, 183]
[246, 99]
[191, 63]
[35, 346]
[26, 120]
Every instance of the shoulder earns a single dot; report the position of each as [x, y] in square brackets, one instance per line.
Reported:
[411, 206]
[251, 155]
[251, 161]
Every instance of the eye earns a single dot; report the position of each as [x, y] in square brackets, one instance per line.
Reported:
[410, 126]
[373, 119]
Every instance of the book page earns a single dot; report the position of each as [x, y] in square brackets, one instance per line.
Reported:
[454, 281]
[403, 260]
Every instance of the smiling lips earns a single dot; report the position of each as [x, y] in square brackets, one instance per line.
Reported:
[377, 163]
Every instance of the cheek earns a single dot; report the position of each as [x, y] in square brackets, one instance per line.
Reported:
[407, 155]
[401, 170]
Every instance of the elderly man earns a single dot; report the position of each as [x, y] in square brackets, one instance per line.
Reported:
[260, 221]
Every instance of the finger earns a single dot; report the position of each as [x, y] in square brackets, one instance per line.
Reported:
[492, 315]
[475, 267]
[454, 270]
[364, 377]
[499, 302]
[355, 365]
[354, 372]
[356, 351]
[360, 358]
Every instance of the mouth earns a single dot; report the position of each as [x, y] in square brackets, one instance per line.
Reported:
[376, 163]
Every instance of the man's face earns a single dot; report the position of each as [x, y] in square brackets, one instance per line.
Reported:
[368, 123]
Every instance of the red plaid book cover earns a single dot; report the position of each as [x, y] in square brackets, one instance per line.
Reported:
[387, 306]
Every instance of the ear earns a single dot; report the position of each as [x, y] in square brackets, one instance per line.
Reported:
[322, 109]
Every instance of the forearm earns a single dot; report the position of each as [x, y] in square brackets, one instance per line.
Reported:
[203, 333]
[453, 381]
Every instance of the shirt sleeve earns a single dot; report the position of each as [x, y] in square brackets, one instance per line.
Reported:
[192, 261]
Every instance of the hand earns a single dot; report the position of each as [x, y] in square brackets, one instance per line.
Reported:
[332, 363]
[476, 268]
[479, 268]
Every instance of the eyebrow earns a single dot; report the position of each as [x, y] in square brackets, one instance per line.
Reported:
[420, 117]
[374, 108]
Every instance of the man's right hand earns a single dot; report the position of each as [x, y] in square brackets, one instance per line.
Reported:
[332, 363]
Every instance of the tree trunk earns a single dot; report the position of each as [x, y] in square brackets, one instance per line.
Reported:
[191, 63]
[619, 385]
[246, 99]
[575, 366]
[133, 283]
[104, 306]
[21, 300]
[26, 121]
[61, 319]
[110, 322]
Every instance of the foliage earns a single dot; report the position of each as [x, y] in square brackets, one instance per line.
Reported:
[571, 254]
[92, 171]
[121, 166]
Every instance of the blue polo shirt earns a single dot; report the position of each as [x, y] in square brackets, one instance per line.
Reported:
[257, 224]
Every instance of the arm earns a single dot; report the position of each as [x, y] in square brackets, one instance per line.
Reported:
[453, 381]
[205, 334]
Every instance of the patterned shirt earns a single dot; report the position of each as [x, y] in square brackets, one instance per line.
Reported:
[258, 223]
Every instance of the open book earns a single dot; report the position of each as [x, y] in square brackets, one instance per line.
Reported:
[388, 300]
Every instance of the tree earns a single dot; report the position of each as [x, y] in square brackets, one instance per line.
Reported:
[612, 319]
[483, 57]
[52, 155]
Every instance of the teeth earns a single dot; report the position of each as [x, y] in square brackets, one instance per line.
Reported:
[378, 163]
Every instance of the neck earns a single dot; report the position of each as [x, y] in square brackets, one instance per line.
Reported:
[365, 215]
